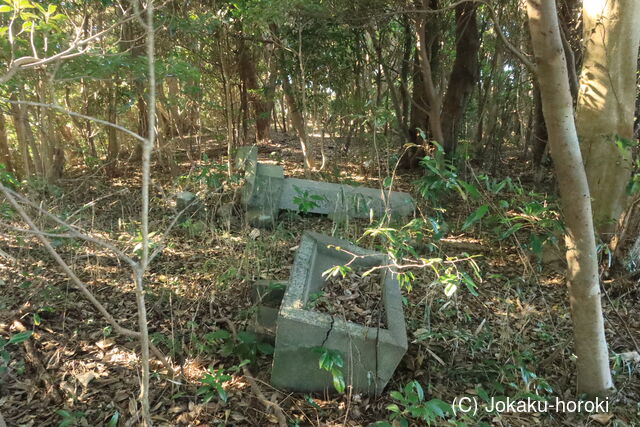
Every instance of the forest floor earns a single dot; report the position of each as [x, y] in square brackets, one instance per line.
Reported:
[513, 338]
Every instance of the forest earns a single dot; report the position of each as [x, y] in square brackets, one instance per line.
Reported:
[319, 212]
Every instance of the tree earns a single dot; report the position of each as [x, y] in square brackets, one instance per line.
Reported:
[464, 74]
[593, 373]
[606, 104]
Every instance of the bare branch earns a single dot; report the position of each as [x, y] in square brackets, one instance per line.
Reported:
[74, 114]
[78, 44]
[75, 231]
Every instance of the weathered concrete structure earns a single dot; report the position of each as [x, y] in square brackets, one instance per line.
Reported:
[267, 191]
[370, 355]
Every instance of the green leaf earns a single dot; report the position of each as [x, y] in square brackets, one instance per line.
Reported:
[113, 421]
[470, 189]
[338, 382]
[439, 407]
[247, 337]
[419, 391]
[265, 348]
[20, 337]
[220, 334]
[393, 408]
[397, 395]
[5, 8]
[450, 289]
[475, 216]
[482, 393]
[471, 286]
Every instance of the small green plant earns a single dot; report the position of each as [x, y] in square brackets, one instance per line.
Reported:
[407, 245]
[137, 249]
[91, 162]
[246, 346]
[211, 175]
[441, 178]
[4, 354]
[213, 384]
[306, 201]
[332, 362]
[412, 406]
[343, 270]
[7, 178]
[70, 418]
[314, 299]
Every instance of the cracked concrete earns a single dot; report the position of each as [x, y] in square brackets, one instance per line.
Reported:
[371, 355]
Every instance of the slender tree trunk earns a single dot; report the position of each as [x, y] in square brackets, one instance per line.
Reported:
[539, 130]
[464, 74]
[297, 121]
[606, 104]
[5, 154]
[431, 94]
[19, 114]
[228, 100]
[405, 66]
[593, 373]
[257, 95]
[113, 145]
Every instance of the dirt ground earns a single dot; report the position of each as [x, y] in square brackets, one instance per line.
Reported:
[513, 337]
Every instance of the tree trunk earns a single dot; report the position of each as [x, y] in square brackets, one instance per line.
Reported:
[297, 121]
[539, 130]
[5, 154]
[24, 133]
[257, 97]
[228, 100]
[464, 74]
[593, 373]
[113, 146]
[431, 94]
[606, 104]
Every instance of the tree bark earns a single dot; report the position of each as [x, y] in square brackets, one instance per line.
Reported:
[431, 94]
[464, 74]
[113, 146]
[593, 373]
[606, 104]
[24, 133]
[5, 154]
[297, 121]
[539, 130]
[261, 105]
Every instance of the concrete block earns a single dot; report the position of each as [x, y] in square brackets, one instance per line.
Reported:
[246, 161]
[341, 200]
[266, 191]
[370, 355]
[267, 296]
[262, 206]
[187, 202]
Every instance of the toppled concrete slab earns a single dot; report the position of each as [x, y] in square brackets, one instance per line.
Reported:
[267, 191]
[370, 355]
[341, 200]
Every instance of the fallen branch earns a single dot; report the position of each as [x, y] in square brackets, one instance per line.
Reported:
[76, 280]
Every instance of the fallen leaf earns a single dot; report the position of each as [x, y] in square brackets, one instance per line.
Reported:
[85, 378]
[603, 418]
